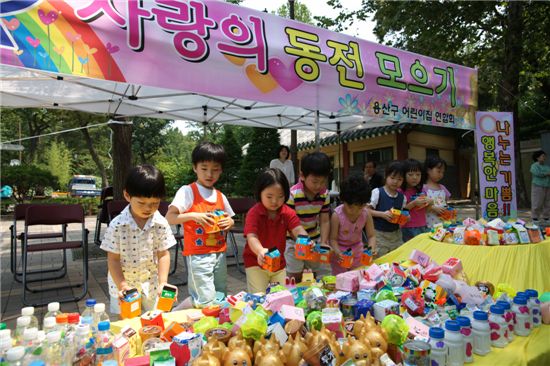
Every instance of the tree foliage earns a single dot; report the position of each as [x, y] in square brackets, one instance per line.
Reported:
[261, 150]
[58, 162]
[27, 180]
[147, 138]
[233, 153]
[301, 12]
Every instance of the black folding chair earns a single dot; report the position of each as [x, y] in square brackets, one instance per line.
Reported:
[55, 215]
[102, 214]
[115, 207]
[19, 215]
[240, 206]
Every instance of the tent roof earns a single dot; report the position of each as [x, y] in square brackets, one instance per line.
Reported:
[41, 89]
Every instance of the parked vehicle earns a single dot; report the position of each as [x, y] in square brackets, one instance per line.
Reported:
[84, 186]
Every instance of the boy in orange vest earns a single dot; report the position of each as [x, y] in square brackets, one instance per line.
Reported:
[195, 206]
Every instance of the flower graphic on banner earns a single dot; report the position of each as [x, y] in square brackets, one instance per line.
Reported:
[349, 105]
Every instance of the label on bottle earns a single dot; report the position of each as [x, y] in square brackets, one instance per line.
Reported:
[104, 350]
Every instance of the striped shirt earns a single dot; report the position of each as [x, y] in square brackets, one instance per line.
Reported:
[309, 211]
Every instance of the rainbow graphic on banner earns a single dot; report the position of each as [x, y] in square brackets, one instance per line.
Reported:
[49, 37]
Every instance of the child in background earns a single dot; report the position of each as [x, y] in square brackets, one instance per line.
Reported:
[138, 239]
[383, 199]
[417, 201]
[311, 201]
[193, 206]
[437, 193]
[348, 221]
[265, 228]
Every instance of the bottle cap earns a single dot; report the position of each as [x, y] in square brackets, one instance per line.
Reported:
[463, 321]
[480, 315]
[73, 318]
[99, 307]
[520, 300]
[436, 332]
[27, 311]
[15, 353]
[54, 336]
[30, 334]
[90, 302]
[103, 326]
[497, 309]
[49, 322]
[61, 318]
[532, 293]
[3, 326]
[504, 304]
[5, 334]
[83, 329]
[23, 321]
[53, 306]
[452, 325]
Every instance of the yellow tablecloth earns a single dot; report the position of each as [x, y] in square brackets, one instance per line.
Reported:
[522, 266]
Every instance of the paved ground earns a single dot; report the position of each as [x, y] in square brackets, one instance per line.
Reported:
[11, 291]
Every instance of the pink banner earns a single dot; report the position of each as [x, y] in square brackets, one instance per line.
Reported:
[219, 49]
[496, 164]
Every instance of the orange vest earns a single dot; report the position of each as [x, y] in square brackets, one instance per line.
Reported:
[196, 240]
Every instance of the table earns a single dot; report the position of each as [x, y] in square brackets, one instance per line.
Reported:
[521, 266]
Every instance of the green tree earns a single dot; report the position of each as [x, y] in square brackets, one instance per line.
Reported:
[261, 150]
[148, 138]
[233, 153]
[58, 162]
[506, 41]
[27, 180]
[301, 12]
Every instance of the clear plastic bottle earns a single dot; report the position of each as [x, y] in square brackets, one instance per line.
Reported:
[62, 323]
[87, 316]
[29, 340]
[29, 311]
[84, 353]
[509, 317]
[535, 307]
[5, 343]
[15, 355]
[68, 341]
[482, 333]
[53, 351]
[35, 353]
[498, 326]
[455, 343]
[466, 331]
[104, 343]
[23, 322]
[99, 316]
[439, 350]
[49, 324]
[53, 310]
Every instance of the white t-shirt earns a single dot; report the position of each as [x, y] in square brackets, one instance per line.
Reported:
[138, 250]
[286, 167]
[375, 195]
[184, 199]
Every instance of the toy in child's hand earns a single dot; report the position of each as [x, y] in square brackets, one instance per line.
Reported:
[448, 214]
[366, 257]
[346, 259]
[272, 260]
[303, 248]
[130, 304]
[167, 297]
[400, 217]
[216, 216]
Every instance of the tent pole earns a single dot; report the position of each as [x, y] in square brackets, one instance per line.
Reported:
[340, 168]
[317, 131]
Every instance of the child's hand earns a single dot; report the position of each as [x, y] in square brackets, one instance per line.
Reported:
[421, 201]
[203, 218]
[122, 290]
[226, 222]
[338, 253]
[261, 256]
[387, 215]
[374, 251]
[438, 209]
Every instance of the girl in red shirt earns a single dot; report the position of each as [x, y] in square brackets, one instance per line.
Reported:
[265, 229]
